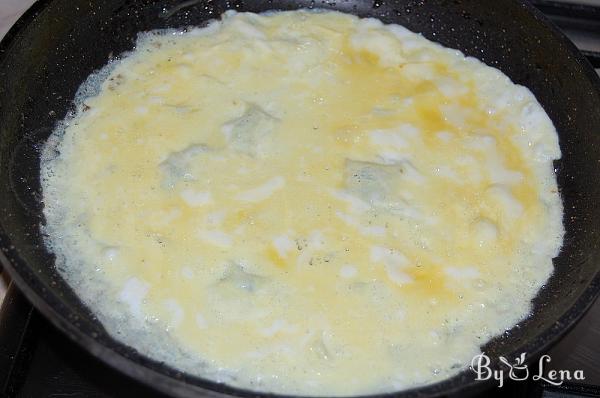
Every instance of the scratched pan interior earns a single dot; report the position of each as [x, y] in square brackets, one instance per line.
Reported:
[58, 43]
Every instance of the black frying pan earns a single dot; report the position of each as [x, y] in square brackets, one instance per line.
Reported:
[58, 43]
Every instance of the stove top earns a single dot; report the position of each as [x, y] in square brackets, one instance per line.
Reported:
[37, 360]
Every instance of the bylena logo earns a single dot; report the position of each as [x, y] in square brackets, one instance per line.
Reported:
[518, 370]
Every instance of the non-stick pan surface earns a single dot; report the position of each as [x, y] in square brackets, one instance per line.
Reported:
[58, 43]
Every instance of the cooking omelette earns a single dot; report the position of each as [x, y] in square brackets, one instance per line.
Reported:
[303, 202]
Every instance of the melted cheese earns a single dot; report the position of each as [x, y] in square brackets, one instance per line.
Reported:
[304, 202]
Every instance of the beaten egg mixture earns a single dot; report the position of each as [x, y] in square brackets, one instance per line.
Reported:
[304, 202]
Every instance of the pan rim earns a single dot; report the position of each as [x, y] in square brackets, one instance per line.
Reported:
[179, 387]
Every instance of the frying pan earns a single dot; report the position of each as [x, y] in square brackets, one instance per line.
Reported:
[58, 43]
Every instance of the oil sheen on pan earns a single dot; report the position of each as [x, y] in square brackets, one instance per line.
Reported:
[304, 202]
